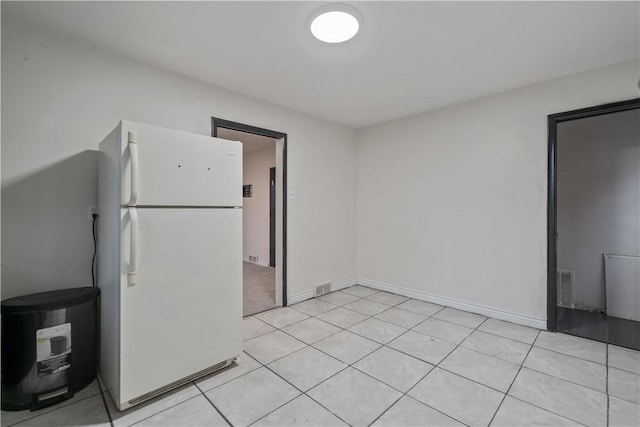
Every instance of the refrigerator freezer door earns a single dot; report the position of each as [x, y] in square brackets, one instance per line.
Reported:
[175, 168]
[184, 313]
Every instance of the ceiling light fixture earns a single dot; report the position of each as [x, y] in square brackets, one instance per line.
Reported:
[335, 23]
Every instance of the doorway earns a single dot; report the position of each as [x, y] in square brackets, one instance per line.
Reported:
[593, 277]
[264, 213]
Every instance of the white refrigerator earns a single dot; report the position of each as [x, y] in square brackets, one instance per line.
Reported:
[169, 259]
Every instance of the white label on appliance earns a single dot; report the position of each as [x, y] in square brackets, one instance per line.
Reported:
[53, 349]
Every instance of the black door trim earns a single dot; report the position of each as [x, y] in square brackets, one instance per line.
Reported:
[227, 124]
[552, 256]
[272, 216]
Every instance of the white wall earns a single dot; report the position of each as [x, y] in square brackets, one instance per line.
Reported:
[61, 96]
[255, 209]
[598, 198]
[452, 202]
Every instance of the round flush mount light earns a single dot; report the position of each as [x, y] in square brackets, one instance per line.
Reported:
[335, 23]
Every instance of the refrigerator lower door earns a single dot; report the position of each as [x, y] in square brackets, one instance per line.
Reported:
[183, 312]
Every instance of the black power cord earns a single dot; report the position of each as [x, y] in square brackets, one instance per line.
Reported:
[95, 250]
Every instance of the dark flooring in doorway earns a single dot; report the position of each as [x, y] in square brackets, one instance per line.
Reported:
[258, 288]
[599, 327]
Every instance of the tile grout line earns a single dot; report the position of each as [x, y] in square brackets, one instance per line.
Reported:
[546, 374]
[437, 365]
[442, 307]
[355, 333]
[562, 379]
[531, 345]
[633, 402]
[306, 345]
[565, 354]
[557, 378]
[212, 404]
[521, 366]
[53, 410]
[513, 381]
[302, 393]
[547, 410]
[487, 353]
[506, 338]
[566, 381]
[348, 365]
[485, 385]
[375, 314]
[341, 329]
[329, 410]
[421, 360]
[605, 365]
[104, 401]
[606, 384]
[184, 386]
[623, 370]
[224, 369]
[351, 365]
[408, 329]
[310, 315]
[160, 411]
[406, 394]
[385, 345]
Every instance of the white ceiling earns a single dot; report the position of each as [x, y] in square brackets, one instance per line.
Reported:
[250, 142]
[409, 56]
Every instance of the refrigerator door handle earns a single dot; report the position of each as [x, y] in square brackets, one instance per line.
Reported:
[133, 253]
[133, 153]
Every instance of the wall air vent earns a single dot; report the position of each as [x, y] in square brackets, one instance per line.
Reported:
[323, 289]
[565, 281]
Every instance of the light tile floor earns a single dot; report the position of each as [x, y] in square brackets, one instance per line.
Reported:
[362, 357]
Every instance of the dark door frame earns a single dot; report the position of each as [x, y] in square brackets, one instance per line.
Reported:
[272, 216]
[552, 227]
[227, 124]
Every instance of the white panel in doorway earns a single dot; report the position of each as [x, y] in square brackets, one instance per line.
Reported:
[622, 285]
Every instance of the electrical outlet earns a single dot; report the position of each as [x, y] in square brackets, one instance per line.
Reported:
[93, 210]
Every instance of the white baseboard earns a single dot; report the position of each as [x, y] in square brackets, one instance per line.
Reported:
[261, 264]
[520, 319]
[299, 297]
[335, 286]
